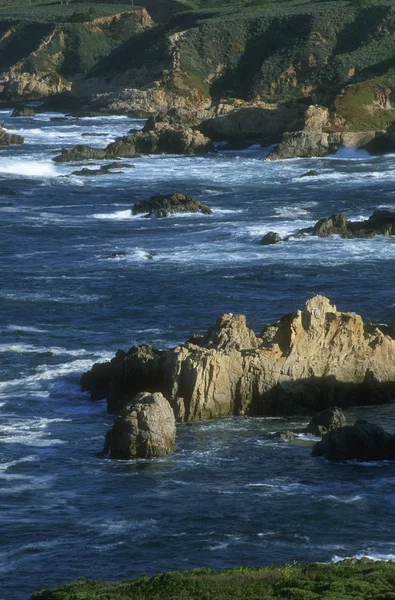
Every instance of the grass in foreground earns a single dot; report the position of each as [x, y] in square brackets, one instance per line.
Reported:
[360, 580]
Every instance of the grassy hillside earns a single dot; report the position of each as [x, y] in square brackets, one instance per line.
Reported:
[54, 11]
[360, 580]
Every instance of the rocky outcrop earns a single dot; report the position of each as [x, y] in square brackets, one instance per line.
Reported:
[157, 139]
[306, 362]
[146, 428]
[23, 111]
[251, 121]
[109, 169]
[317, 138]
[326, 420]
[381, 222]
[81, 153]
[163, 206]
[362, 441]
[6, 139]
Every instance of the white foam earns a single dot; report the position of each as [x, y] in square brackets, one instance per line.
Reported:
[25, 329]
[28, 168]
[351, 154]
[31, 349]
[119, 215]
[372, 555]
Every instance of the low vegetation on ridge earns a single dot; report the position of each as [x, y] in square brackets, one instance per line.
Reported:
[359, 580]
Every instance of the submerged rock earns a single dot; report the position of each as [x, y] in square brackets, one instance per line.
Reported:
[146, 428]
[163, 206]
[306, 362]
[362, 441]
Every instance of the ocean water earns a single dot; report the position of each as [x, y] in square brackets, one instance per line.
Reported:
[231, 495]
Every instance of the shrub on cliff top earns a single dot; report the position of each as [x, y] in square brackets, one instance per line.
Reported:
[363, 580]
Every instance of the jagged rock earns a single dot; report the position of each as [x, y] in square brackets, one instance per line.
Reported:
[146, 428]
[81, 153]
[301, 144]
[6, 139]
[23, 111]
[254, 121]
[104, 170]
[271, 237]
[162, 138]
[336, 224]
[163, 206]
[362, 441]
[326, 420]
[126, 375]
[381, 222]
[304, 363]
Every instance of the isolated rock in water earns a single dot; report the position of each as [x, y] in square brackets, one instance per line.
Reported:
[163, 206]
[362, 441]
[326, 420]
[311, 173]
[80, 153]
[23, 111]
[272, 237]
[146, 428]
[6, 139]
[306, 362]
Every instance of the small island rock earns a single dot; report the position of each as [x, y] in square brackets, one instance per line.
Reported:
[362, 441]
[163, 206]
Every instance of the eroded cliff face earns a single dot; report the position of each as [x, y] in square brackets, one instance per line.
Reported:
[39, 60]
[309, 360]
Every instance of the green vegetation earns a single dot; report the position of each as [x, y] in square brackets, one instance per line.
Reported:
[55, 11]
[359, 580]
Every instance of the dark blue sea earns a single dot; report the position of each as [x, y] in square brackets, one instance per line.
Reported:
[77, 283]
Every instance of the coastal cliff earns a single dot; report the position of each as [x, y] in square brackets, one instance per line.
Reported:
[249, 69]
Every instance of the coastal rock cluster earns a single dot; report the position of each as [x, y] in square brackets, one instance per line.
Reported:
[381, 222]
[308, 361]
[155, 138]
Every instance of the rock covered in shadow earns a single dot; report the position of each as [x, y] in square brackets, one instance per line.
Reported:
[362, 441]
[320, 424]
[326, 420]
[146, 428]
[271, 237]
[163, 206]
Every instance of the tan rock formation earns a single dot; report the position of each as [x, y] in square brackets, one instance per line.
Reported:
[309, 360]
[146, 428]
